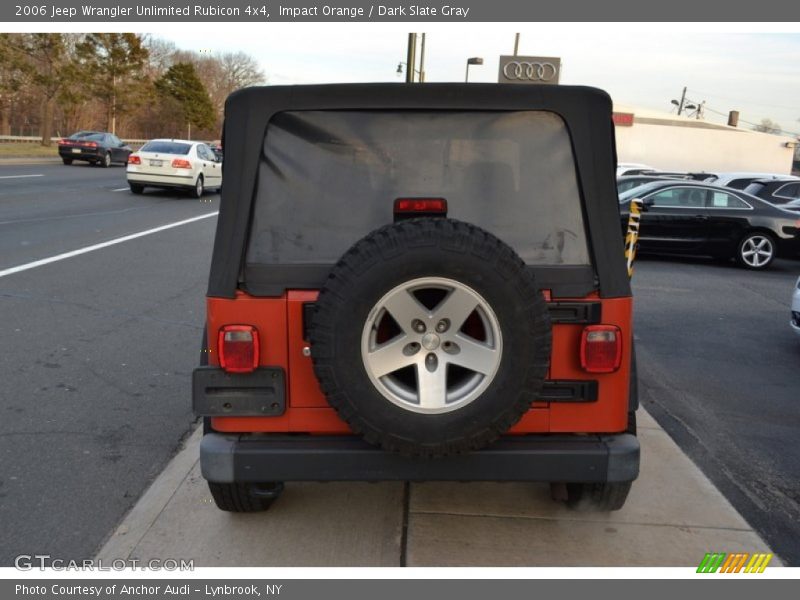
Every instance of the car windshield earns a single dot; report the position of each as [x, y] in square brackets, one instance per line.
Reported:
[93, 137]
[639, 191]
[167, 147]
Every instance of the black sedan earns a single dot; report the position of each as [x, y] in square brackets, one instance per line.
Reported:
[95, 147]
[687, 217]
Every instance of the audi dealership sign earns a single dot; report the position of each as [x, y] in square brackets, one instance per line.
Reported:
[529, 69]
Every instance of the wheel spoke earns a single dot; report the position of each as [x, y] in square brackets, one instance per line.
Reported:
[405, 308]
[457, 306]
[432, 386]
[389, 357]
[474, 356]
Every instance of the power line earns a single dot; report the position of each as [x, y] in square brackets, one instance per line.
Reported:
[708, 108]
[739, 100]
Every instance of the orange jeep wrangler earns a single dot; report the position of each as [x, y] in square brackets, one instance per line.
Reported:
[418, 282]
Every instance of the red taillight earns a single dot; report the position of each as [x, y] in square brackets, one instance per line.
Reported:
[238, 348]
[601, 348]
[90, 144]
[66, 143]
[181, 163]
[133, 159]
[420, 205]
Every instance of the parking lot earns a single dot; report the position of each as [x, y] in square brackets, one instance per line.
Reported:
[100, 347]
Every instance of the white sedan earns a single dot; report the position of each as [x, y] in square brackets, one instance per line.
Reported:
[795, 322]
[174, 164]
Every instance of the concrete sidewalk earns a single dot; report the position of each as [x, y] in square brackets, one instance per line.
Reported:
[673, 517]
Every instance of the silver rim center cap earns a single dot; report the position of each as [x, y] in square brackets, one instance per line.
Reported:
[430, 341]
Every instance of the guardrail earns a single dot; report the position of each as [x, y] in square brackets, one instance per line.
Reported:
[38, 138]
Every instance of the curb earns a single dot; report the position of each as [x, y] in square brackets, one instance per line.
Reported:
[148, 508]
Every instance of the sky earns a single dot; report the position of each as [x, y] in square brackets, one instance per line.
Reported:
[646, 66]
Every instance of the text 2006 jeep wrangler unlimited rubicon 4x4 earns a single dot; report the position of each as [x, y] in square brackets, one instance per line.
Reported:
[418, 282]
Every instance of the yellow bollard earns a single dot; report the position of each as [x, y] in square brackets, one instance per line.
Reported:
[632, 235]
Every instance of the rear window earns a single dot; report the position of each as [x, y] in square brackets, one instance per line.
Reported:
[80, 134]
[328, 178]
[754, 188]
[740, 184]
[166, 147]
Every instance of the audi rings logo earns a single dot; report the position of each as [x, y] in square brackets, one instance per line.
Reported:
[530, 71]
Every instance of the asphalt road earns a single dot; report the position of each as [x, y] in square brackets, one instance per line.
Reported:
[98, 349]
[719, 369]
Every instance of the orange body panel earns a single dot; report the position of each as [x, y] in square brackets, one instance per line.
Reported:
[279, 321]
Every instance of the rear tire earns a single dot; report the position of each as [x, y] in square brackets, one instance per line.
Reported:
[106, 161]
[197, 191]
[597, 497]
[136, 188]
[66, 161]
[245, 497]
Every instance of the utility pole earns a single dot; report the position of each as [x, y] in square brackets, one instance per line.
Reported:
[683, 101]
[411, 59]
[516, 45]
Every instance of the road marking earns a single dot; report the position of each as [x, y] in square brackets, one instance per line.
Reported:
[84, 250]
[19, 176]
[121, 190]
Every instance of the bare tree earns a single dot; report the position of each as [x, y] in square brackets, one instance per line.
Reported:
[15, 72]
[768, 126]
[50, 60]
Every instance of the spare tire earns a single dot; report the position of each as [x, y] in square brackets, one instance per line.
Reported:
[430, 337]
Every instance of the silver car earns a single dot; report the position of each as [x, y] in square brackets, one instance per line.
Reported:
[795, 322]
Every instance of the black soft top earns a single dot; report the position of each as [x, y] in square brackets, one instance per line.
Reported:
[585, 111]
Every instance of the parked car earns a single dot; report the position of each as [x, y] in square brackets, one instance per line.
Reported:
[181, 164]
[95, 147]
[737, 180]
[376, 306]
[795, 320]
[775, 191]
[628, 182]
[216, 148]
[688, 217]
[793, 206]
[632, 169]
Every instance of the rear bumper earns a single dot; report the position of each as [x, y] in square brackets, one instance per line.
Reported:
[182, 181]
[228, 458]
[82, 155]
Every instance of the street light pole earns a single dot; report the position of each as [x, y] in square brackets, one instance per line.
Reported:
[422, 60]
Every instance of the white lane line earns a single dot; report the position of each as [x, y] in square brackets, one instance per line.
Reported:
[84, 250]
[20, 176]
[121, 189]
